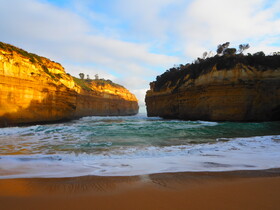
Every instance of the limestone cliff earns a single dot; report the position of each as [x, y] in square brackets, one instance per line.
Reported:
[35, 89]
[236, 88]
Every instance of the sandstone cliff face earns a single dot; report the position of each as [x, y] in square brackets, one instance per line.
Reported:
[105, 100]
[241, 93]
[35, 89]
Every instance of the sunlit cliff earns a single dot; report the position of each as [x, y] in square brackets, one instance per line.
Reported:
[36, 89]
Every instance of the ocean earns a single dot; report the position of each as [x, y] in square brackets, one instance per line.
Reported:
[136, 145]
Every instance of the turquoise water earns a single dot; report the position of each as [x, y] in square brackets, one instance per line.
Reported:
[126, 141]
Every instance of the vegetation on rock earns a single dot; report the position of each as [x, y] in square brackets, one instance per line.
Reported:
[225, 59]
[32, 57]
[39, 60]
[86, 83]
[82, 83]
[104, 82]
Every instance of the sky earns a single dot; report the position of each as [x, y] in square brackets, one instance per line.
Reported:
[131, 42]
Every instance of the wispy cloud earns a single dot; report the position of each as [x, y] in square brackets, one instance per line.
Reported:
[130, 41]
[217, 21]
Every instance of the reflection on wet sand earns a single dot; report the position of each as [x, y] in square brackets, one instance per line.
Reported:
[203, 190]
[104, 184]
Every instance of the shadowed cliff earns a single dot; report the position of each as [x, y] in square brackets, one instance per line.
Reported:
[34, 89]
[220, 88]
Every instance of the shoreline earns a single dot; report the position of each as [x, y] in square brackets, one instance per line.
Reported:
[64, 120]
[256, 189]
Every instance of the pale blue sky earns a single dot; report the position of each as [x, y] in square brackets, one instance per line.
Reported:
[132, 41]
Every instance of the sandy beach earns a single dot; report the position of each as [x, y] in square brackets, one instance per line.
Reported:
[186, 190]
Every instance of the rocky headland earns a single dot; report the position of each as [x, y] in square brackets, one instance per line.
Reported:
[34, 89]
[220, 88]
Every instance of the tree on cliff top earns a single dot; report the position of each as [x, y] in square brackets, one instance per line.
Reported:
[226, 60]
[243, 47]
[222, 47]
[229, 51]
[204, 55]
[82, 75]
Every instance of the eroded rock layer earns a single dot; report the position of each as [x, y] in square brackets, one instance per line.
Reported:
[241, 93]
[35, 89]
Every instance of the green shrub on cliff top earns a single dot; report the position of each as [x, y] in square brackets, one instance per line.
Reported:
[103, 82]
[175, 76]
[86, 83]
[82, 83]
[33, 58]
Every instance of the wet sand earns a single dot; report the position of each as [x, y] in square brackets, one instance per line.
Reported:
[186, 190]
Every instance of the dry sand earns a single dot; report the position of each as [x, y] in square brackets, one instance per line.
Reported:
[203, 190]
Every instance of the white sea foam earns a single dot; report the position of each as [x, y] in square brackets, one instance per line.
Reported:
[16, 130]
[260, 152]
